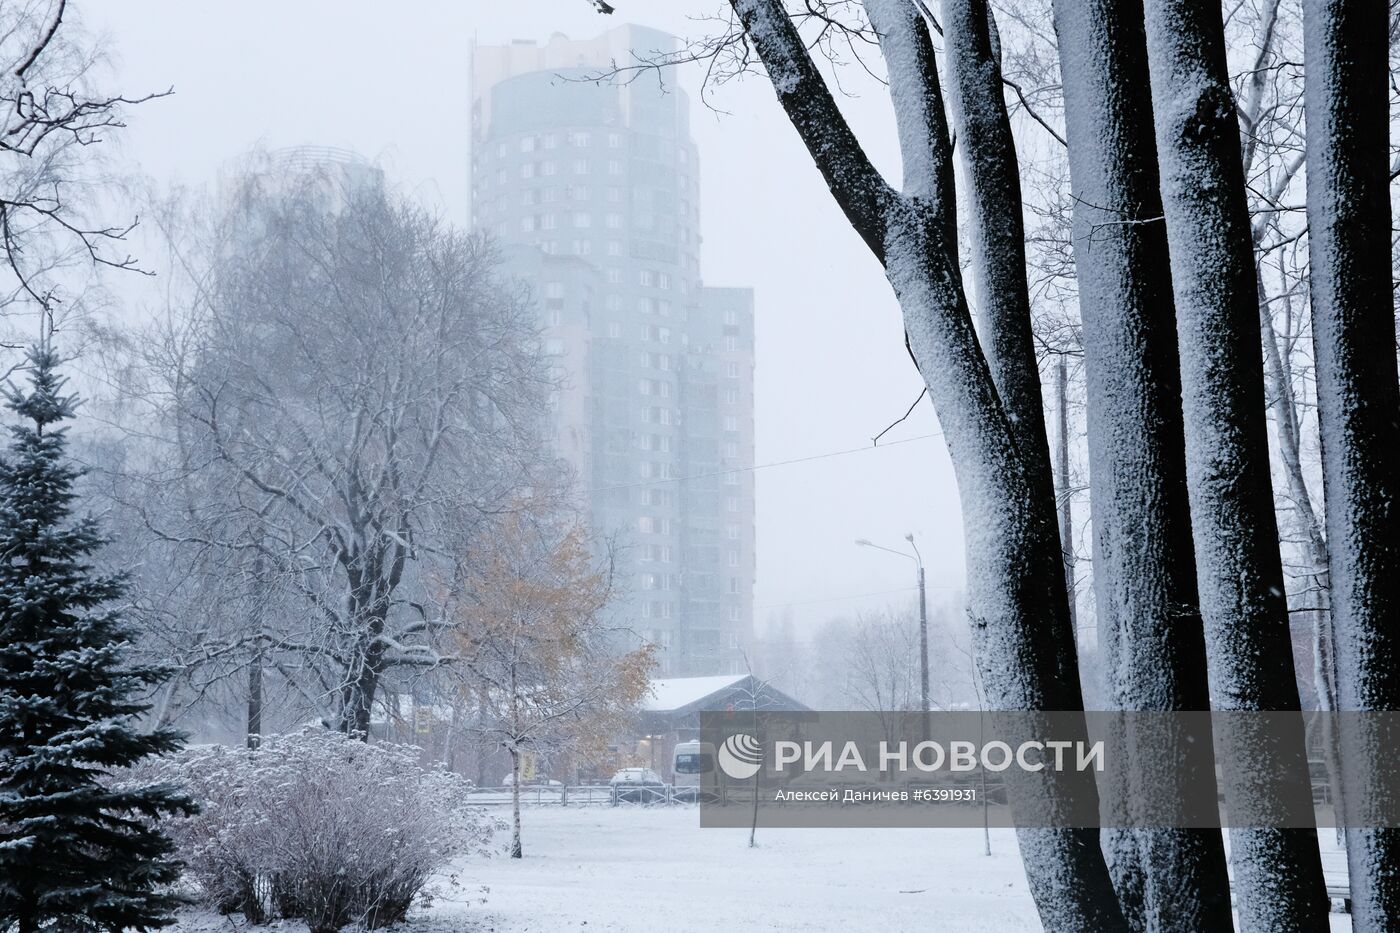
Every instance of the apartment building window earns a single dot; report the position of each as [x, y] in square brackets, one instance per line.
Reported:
[582, 219]
[731, 396]
[554, 318]
[645, 524]
[579, 139]
[731, 478]
[614, 248]
[549, 222]
[731, 450]
[731, 344]
[731, 532]
[614, 276]
[554, 289]
[527, 170]
[501, 150]
[614, 330]
[731, 317]
[644, 386]
[583, 247]
[646, 278]
[731, 370]
[580, 166]
[734, 558]
[731, 504]
[614, 167]
[548, 168]
[527, 223]
[551, 195]
[731, 422]
[551, 140]
[665, 610]
[527, 144]
[614, 140]
[615, 195]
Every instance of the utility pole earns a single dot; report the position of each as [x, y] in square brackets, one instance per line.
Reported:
[918, 559]
[923, 629]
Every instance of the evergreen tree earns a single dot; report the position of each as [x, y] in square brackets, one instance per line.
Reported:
[78, 850]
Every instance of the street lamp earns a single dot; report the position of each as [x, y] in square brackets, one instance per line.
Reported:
[918, 560]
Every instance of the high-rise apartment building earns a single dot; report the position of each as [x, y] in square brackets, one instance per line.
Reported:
[595, 189]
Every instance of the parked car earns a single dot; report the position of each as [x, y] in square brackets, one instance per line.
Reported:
[636, 785]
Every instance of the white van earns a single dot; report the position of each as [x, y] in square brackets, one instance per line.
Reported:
[689, 761]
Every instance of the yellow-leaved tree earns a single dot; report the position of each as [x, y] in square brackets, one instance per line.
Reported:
[549, 670]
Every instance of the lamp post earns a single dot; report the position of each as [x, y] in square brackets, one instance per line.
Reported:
[918, 560]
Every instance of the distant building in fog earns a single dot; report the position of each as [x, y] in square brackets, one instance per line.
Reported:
[337, 172]
[596, 187]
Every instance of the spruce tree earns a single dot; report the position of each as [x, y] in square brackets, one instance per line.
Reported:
[79, 846]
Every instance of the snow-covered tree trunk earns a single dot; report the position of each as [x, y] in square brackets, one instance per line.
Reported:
[1316, 594]
[1016, 588]
[1278, 872]
[515, 850]
[1346, 100]
[1145, 584]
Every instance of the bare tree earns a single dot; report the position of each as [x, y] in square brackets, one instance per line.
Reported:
[1349, 217]
[1278, 872]
[51, 117]
[348, 396]
[883, 663]
[1148, 616]
[988, 403]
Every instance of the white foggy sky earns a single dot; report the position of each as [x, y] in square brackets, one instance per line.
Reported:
[392, 82]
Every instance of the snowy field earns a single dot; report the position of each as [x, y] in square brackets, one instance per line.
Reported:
[653, 870]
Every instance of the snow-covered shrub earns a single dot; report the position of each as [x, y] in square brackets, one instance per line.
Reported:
[320, 827]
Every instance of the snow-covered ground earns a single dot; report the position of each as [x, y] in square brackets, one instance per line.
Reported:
[653, 870]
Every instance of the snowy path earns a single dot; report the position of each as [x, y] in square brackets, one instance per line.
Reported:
[635, 870]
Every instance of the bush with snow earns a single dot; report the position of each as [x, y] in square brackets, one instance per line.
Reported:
[320, 827]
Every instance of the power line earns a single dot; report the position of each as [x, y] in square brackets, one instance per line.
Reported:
[834, 599]
[766, 466]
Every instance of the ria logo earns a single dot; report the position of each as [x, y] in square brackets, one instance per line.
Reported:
[740, 756]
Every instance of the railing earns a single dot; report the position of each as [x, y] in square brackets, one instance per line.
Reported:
[583, 795]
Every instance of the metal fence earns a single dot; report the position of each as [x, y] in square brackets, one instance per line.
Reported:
[584, 795]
